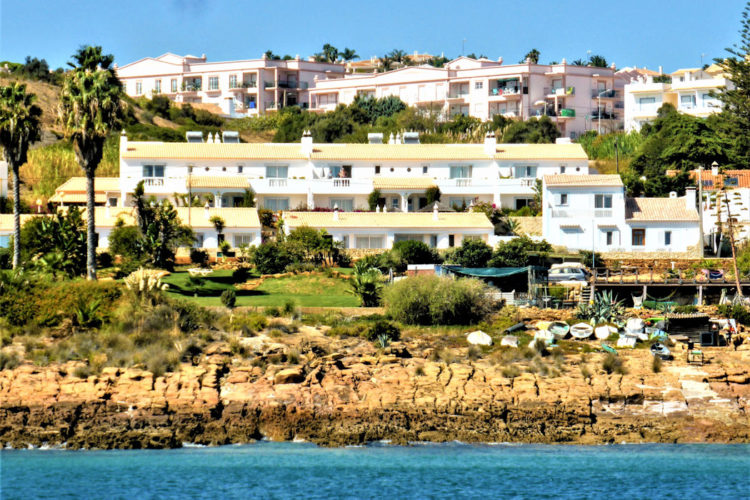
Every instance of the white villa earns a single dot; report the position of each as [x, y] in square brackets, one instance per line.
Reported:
[239, 88]
[368, 230]
[314, 176]
[576, 98]
[690, 92]
[591, 212]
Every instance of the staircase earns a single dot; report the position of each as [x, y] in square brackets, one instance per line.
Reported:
[586, 293]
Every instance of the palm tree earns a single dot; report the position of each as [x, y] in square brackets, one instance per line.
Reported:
[349, 54]
[532, 55]
[89, 109]
[579, 62]
[385, 63]
[366, 283]
[19, 127]
[399, 57]
[598, 61]
[331, 53]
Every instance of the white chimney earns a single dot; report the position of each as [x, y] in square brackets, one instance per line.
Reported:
[490, 144]
[206, 207]
[307, 143]
[714, 168]
[690, 198]
[336, 212]
[435, 215]
[377, 209]
[661, 70]
[106, 210]
[123, 142]
[391, 140]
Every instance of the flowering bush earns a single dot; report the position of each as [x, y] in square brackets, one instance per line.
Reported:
[145, 284]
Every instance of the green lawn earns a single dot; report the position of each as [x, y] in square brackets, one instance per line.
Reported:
[306, 291]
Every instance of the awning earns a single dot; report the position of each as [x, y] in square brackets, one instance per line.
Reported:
[492, 272]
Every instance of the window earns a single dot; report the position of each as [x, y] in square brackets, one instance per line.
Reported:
[525, 171]
[153, 170]
[232, 81]
[242, 239]
[240, 168]
[173, 84]
[562, 169]
[472, 237]
[639, 237]
[276, 204]
[730, 181]
[157, 87]
[460, 172]
[603, 201]
[451, 240]
[344, 204]
[708, 184]
[667, 238]
[425, 168]
[563, 199]
[709, 101]
[138, 88]
[433, 240]
[687, 101]
[377, 169]
[479, 85]
[408, 237]
[523, 202]
[345, 241]
[610, 237]
[213, 83]
[112, 202]
[394, 203]
[4, 241]
[370, 242]
[645, 103]
[277, 172]
[199, 237]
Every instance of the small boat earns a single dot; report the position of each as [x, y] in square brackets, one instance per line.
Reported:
[545, 336]
[559, 329]
[609, 349]
[581, 331]
[602, 332]
[660, 350]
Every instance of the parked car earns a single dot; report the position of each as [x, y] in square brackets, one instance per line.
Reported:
[568, 271]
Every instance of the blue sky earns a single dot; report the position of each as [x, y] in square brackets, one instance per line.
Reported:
[672, 33]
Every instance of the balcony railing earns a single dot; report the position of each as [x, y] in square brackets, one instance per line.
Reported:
[341, 183]
[153, 181]
[277, 182]
[560, 91]
[604, 94]
[458, 95]
[268, 85]
[191, 87]
[501, 91]
[569, 213]
[604, 115]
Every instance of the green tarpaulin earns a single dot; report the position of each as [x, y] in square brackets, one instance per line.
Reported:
[491, 272]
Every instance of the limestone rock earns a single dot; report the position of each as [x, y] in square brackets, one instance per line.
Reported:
[289, 376]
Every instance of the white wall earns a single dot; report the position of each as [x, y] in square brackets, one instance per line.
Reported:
[4, 179]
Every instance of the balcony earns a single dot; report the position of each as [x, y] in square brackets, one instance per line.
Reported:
[341, 185]
[604, 115]
[604, 94]
[471, 186]
[569, 213]
[191, 86]
[458, 95]
[504, 92]
[244, 85]
[153, 182]
[559, 91]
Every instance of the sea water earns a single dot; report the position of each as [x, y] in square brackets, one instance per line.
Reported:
[299, 470]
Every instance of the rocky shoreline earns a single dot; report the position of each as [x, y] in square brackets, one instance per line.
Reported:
[356, 396]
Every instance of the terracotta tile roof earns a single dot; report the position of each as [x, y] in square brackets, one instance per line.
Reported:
[403, 182]
[658, 209]
[714, 182]
[583, 180]
[199, 217]
[417, 220]
[78, 184]
[416, 152]
[530, 226]
[65, 197]
[226, 181]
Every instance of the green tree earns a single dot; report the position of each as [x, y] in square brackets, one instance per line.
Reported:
[89, 109]
[349, 54]
[532, 55]
[385, 63]
[19, 127]
[400, 57]
[532, 131]
[519, 252]
[432, 195]
[270, 55]
[271, 258]
[373, 198]
[415, 252]
[330, 52]
[367, 284]
[248, 198]
[597, 61]
[471, 253]
[57, 243]
[736, 101]
[438, 61]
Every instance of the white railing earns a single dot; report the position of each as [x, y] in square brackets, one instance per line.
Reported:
[599, 212]
[586, 214]
[277, 182]
[462, 181]
[153, 181]
[342, 183]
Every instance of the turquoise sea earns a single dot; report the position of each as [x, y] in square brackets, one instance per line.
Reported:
[299, 470]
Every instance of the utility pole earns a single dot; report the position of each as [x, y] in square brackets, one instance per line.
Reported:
[734, 252]
[701, 243]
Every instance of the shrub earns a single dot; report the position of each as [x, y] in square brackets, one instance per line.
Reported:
[737, 312]
[519, 252]
[384, 329]
[272, 311]
[289, 308]
[8, 361]
[367, 284]
[272, 258]
[373, 198]
[229, 298]
[471, 253]
[416, 252]
[613, 364]
[656, 364]
[432, 300]
[199, 257]
[104, 260]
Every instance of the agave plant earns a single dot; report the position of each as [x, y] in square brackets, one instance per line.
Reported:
[603, 309]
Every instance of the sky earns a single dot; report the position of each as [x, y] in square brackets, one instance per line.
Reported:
[651, 33]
